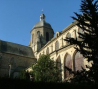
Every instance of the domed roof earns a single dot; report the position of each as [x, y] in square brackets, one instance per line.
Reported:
[42, 22]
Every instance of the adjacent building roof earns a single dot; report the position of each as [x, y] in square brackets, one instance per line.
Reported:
[16, 49]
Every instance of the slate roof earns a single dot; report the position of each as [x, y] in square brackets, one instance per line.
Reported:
[17, 49]
[42, 24]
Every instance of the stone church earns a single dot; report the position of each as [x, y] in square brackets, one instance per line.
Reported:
[16, 57]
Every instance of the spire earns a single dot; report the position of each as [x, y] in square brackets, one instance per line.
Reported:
[42, 16]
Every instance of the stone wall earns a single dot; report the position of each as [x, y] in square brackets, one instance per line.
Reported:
[63, 51]
[14, 62]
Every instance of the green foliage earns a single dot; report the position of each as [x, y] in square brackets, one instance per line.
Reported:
[88, 46]
[88, 22]
[24, 75]
[45, 70]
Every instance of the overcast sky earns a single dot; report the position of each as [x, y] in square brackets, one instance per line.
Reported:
[17, 17]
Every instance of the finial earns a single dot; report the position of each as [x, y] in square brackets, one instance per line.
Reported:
[42, 11]
[42, 16]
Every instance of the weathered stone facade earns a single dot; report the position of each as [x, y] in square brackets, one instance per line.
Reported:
[15, 57]
[41, 33]
[61, 50]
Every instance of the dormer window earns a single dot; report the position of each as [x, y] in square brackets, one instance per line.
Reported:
[57, 34]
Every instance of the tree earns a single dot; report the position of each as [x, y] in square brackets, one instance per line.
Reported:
[24, 75]
[88, 43]
[45, 70]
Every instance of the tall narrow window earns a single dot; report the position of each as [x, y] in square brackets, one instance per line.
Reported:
[39, 55]
[67, 63]
[47, 51]
[75, 34]
[56, 45]
[38, 36]
[38, 33]
[80, 31]
[78, 62]
[58, 61]
[32, 37]
[58, 64]
[68, 36]
[51, 48]
[47, 36]
[80, 34]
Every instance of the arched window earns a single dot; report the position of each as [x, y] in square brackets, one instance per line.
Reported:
[81, 32]
[78, 61]
[47, 51]
[74, 34]
[57, 34]
[68, 36]
[43, 52]
[67, 63]
[56, 45]
[58, 62]
[47, 36]
[38, 33]
[51, 48]
[39, 55]
[32, 37]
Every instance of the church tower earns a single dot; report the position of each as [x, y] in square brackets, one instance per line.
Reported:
[41, 33]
